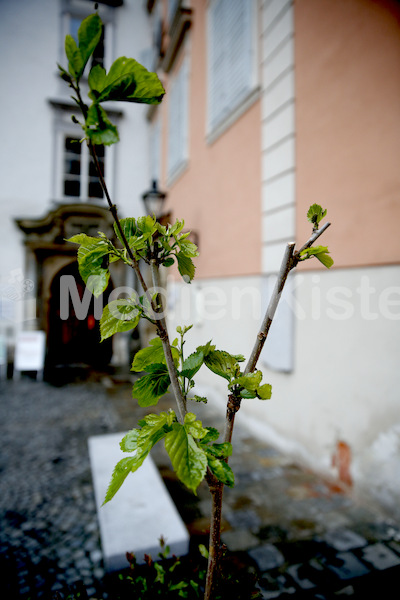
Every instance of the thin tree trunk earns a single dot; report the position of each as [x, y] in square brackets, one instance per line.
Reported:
[214, 551]
[163, 334]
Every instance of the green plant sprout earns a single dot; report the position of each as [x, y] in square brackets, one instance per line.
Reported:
[193, 448]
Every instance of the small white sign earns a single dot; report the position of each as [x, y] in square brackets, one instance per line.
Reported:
[30, 351]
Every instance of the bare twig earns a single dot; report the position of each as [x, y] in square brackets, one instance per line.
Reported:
[310, 241]
[114, 212]
[286, 266]
[289, 261]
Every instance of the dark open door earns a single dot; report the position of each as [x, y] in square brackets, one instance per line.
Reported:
[75, 340]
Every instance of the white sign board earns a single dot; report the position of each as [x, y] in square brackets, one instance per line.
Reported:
[30, 351]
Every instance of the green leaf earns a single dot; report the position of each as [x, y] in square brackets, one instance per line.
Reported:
[89, 34]
[149, 388]
[168, 262]
[120, 473]
[185, 329]
[192, 364]
[320, 252]
[128, 227]
[129, 442]
[154, 353]
[177, 227]
[147, 224]
[325, 259]
[219, 450]
[188, 460]
[212, 435]
[315, 214]
[194, 427]
[221, 363]
[185, 266]
[199, 399]
[222, 471]
[75, 61]
[99, 128]
[64, 74]
[96, 79]
[127, 80]
[250, 381]
[248, 394]
[203, 551]
[207, 348]
[188, 248]
[93, 262]
[264, 392]
[118, 315]
[140, 441]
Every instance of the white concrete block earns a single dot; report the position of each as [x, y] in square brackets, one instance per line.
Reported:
[141, 511]
[279, 159]
[272, 38]
[272, 10]
[278, 353]
[279, 225]
[278, 62]
[280, 93]
[279, 126]
[278, 192]
[272, 255]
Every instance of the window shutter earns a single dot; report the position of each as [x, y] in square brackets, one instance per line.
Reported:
[178, 120]
[230, 56]
[217, 61]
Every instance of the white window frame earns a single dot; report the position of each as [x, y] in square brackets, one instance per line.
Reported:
[64, 128]
[219, 120]
[178, 114]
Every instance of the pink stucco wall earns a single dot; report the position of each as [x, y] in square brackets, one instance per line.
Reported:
[347, 69]
[219, 193]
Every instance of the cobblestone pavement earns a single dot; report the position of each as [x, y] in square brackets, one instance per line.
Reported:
[306, 537]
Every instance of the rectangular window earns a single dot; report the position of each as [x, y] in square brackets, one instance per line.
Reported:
[79, 179]
[178, 120]
[231, 57]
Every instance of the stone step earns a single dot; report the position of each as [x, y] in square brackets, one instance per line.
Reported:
[141, 511]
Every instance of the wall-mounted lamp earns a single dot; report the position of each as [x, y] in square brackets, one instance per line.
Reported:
[154, 200]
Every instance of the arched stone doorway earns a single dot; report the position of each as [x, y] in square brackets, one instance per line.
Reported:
[73, 323]
[48, 257]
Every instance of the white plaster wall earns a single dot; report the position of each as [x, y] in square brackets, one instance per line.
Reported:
[31, 43]
[345, 380]
[28, 46]
[132, 171]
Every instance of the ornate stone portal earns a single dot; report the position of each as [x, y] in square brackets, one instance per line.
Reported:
[75, 339]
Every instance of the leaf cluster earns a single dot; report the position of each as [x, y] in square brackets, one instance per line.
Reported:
[320, 252]
[96, 253]
[126, 81]
[166, 578]
[190, 446]
[315, 215]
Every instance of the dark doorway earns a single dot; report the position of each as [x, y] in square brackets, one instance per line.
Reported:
[76, 339]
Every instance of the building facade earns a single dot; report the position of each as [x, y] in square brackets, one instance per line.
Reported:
[271, 106]
[49, 187]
